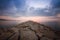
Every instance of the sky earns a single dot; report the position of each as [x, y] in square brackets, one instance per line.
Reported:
[24, 9]
[18, 8]
[35, 10]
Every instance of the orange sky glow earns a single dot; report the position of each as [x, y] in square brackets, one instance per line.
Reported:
[34, 18]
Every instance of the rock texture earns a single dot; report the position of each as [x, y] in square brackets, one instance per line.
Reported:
[34, 31]
[31, 31]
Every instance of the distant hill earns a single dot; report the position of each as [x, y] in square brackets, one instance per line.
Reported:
[3, 20]
[6, 20]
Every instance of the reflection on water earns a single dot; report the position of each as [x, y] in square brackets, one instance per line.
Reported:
[54, 25]
[5, 24]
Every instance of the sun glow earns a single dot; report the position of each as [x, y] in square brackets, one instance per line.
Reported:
[35, 18]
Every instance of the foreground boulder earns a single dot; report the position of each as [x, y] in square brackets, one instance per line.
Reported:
[31, 31]
[34, 31]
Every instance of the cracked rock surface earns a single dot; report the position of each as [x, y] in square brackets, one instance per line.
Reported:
[29, 31]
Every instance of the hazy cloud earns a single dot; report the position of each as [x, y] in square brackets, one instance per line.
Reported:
[29, 7]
